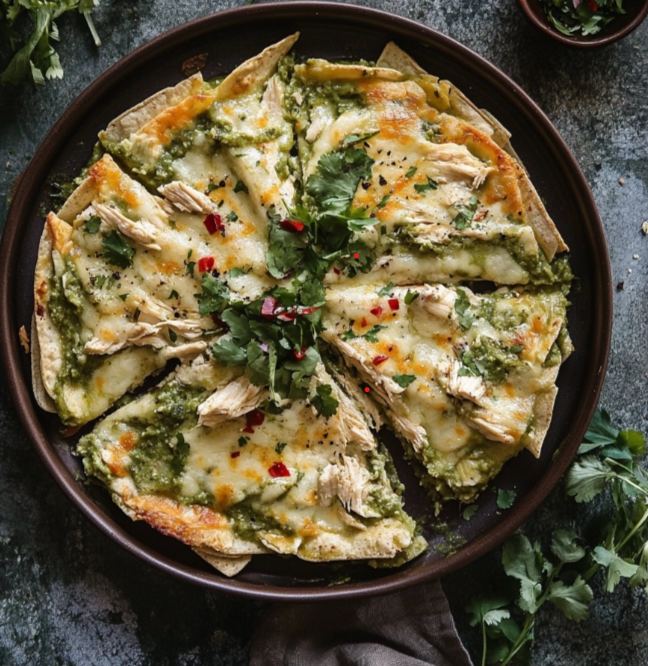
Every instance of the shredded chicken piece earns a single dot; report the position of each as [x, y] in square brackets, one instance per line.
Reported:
[233, 400]
[348, 480]
[142, 231]
[353, 426]
[456, 163]
[187, 198]
[24, 339]
[438, 300]
[271, 101]
[319, 117]
[413, 433]
[467, 387]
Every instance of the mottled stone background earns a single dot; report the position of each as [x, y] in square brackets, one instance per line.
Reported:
[68, 595]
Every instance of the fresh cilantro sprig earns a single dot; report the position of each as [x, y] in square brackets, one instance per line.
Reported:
[330, 220]
[116, 250]
[30, 28]
[607, 461]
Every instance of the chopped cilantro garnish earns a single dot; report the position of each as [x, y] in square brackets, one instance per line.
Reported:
[214, 295]
[190, 267]
[404, 380]
[92, 225]
[424, 187]
[240, 187]
[281, 446]
[465, 213]
[462, 308]
[242, 441]
[325, 404]
[123, 296]
[411, 296]
[232, 217]
[505, 498]
[173, 336]
[383, 202]
[411, 171]
[386, 290]
[238, 272]
[173, 294]
[116, 250]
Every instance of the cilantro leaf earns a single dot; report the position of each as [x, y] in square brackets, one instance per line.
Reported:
[586, 478]
[336, 179]
[214, 295]
[386, 290]
[565, 547]
[238, 272]
[116, 250]
[462, 308]
[92, 224]
[470, 511]
[280, 446]
[285, 248]
[430, 184]
[325, 404]
[404, 380]
[465, 214]
[372, 333]
[241, 187]
[228, 353]
[573, 599]
[411, 296]
[616, 566]
[411, 171]
[505, 498]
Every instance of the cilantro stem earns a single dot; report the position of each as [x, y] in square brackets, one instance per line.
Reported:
[93, 30]
[521, 639]
[484, 639]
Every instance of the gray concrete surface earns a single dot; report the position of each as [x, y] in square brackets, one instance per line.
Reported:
[68, 595]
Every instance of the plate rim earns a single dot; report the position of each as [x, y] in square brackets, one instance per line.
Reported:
[22, 395]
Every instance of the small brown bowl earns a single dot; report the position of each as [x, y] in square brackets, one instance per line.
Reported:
[619, 27]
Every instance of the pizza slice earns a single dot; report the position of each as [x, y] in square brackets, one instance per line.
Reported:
[466, 380]
[204, 459]
[204, 140]
[437, 199]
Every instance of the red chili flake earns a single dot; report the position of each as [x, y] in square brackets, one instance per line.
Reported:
[292, 225]
[269, 306]
[299, 355]
[394, 303]
[287, 316]
[205, 264]
[307, 311]
[213, 223]
[356, 256]
[40, 310]
[254, 418]
[363, 323]
[380, 359]
[592, 5]
[235, 454]
[367, 389]
[336, 271]
[480, 215]
[376, 312]
[278, 469]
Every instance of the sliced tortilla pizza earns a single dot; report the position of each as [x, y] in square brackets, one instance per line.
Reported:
[440, 200]
[201, 459]
[467, 380]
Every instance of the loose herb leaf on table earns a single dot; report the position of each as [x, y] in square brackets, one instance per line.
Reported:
[607, 461]
[30, 27]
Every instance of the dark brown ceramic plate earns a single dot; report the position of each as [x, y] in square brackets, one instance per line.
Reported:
[619, 27]
[330, 31]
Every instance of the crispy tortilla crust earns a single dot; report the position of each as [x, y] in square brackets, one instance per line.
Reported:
[255, 71]
[228, 566]
[197, 526]
[545, 230]
[395, 58]
[135, 118]
[322, 70]
[46, 352]
[542, 412]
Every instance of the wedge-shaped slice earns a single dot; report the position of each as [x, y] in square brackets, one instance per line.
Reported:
[466, 380]
[448, 202]
[199, 459]
[214, 138]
